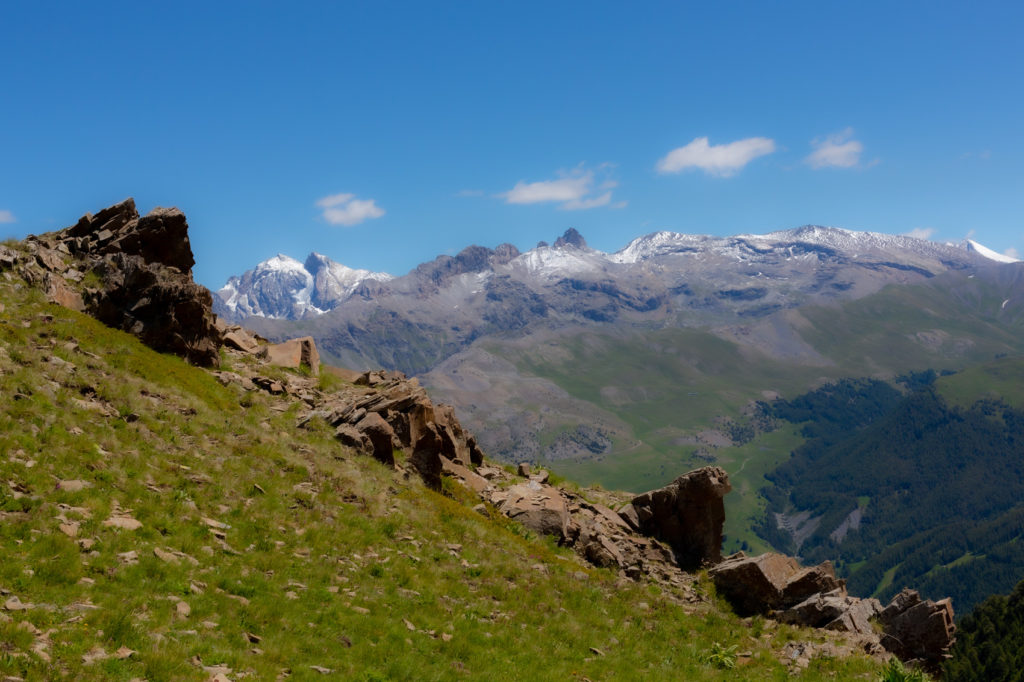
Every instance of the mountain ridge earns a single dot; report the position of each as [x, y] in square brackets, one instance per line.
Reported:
[255, 294]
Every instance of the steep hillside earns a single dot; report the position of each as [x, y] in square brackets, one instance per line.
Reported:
[162, 521]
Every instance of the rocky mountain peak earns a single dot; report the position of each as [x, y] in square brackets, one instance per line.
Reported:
[285, 288]
[571, 237]
[470, 260]
[504, 253]
[315, 262]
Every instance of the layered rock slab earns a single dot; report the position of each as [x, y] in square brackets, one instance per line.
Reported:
[771, 582]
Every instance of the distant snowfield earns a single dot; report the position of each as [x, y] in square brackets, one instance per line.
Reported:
[983, 250]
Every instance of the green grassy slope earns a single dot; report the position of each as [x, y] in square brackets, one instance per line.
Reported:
[665, 385]
[1002, 378]
[268, 551]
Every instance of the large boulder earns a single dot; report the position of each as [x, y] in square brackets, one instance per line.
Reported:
[771, 582]
[351, 437]
[541, 508]
[295, 353]
[918, 630]
[426, 457]
[834, 610]
[381, 436]
[687, 514]
[164, 308]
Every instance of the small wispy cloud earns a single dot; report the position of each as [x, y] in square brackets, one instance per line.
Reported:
[1012, 253]
[7, 217]
[346, 209]
[835, 151]
[920, 233]
[722, 160]
[576, 190]
[984, 154]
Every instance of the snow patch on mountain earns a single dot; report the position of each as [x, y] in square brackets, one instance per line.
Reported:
[558, 261]
[983, 250]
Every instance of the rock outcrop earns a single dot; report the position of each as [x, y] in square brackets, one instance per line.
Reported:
[775, 585]
[384, 411]
[687, 514]
[918, 630]
[771, 582]
[164, 308]
[664, 534]
[142, 278]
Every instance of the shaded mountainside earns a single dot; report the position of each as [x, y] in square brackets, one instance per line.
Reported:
[990, 641]
[268, 519]
[903, 488]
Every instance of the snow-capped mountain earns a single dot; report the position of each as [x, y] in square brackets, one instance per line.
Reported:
[284, 288]
[473, 325]
[661, 279]
[660, 275]
[850, 243]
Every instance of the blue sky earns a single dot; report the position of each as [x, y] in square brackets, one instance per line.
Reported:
[383, 134]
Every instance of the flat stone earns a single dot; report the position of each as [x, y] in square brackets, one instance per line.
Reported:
[295, 353]
[125, 522]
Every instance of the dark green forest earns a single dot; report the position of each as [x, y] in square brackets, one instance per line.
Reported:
[940, 488]
[990, 642]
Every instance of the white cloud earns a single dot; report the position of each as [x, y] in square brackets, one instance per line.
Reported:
[835, 151]
[1012, 253]
[920, 233]
[345, 209]
[722, 160]
[576, 190]
[7, 217]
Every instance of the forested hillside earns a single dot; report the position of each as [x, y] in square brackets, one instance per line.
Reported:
[902, 488]
[990, 642]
